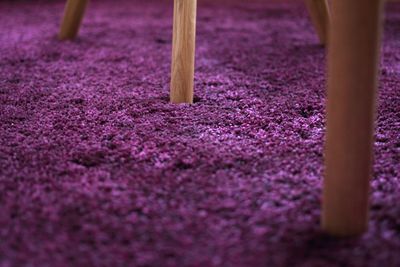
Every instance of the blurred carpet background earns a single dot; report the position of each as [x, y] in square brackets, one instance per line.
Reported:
[98, 169]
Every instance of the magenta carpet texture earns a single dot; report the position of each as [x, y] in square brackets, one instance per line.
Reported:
[98, 169]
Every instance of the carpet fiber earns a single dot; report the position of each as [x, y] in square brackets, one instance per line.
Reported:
[98, 169]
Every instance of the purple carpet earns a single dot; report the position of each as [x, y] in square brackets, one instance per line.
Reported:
[98, 169]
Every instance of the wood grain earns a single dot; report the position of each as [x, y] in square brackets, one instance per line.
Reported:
[183, 51]
[353, 58]
[73, 14]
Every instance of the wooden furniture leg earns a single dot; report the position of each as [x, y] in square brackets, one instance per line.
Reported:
[320, 17]
[73, 14]
[353, 60]
[183, 50]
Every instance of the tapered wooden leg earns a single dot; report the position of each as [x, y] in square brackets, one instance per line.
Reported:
[320, 17]
[73, 14]
[353, 58]
[183, 49]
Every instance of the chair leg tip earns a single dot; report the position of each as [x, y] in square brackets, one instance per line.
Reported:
[343, 231]
[181, 100]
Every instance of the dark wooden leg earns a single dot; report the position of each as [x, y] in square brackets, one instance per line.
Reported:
[73, 14]
[353, 61]
[320, 17]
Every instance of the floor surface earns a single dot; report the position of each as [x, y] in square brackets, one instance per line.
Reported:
[98, 169]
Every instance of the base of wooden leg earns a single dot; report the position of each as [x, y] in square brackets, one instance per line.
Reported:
[183, 50]
[73, 14]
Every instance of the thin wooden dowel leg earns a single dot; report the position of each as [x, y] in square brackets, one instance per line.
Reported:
[353, 58]
[320, 17]
[183, 50]
[73, 14]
